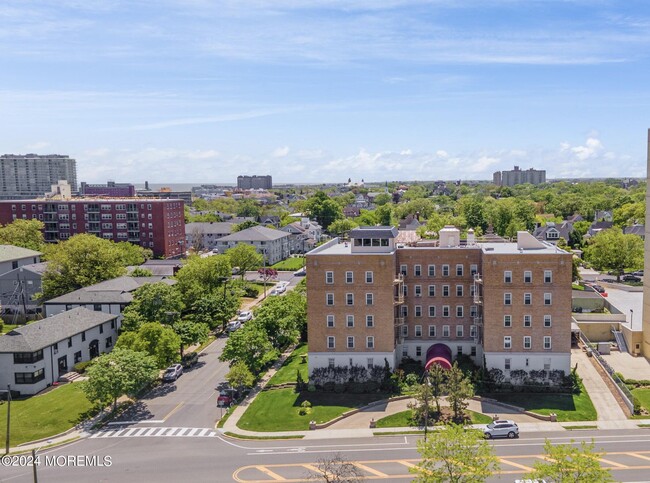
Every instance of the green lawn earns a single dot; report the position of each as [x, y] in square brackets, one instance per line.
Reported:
[643, 395]
[46, 415]
[287, 373]
[277, 410]
[8, 328]
[290, 264]
[568, 407]
[403, 419]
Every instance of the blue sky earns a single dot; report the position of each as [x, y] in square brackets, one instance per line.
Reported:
[324, 90]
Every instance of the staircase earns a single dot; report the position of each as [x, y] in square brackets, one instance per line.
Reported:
[620, 340]
[70, 377]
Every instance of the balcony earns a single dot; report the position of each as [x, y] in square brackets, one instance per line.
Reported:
[400, 321]
[398, 282]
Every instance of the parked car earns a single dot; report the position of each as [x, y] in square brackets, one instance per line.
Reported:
[245, 316]
[189, 359]
[233, 325]
[501, 428]
[235, 270]
[172, 373]
[279, 288]
[227, 397]
[300, 273]
[598, 288]
[631, 278]
[638, 273]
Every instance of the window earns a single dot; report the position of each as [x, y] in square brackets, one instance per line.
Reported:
[405, 290]
[370, 320]
[528, 299]
[459, 270]
[349, 299]
[459, 290]
[473, 269]
[405, 351]
[459, 331]
[507, 342]
[331, 342]
[418, 331]
[445, 331]
[370, 362]
[548, 299]
[445, 290]
[109, 342]
[77, 357]
[459, 350]
[432, 310]
[369, 277]
[418, 351]
[418, 311]
[97, 307]
[403, 270]
[472, 290]
[370, 342]
[55, 347]
[459, 311]
[432, 331]
[528, 276]
[330, 320]
[547, 321]
[431, 270]
[432, 290]
[329, 278]
[507, 320]
[528, 320]
[350, 342]
[349, 320]
[507, 276]
[527, 342]
[418, 290]
[83, 336]
[329, 299]
[445, 270]
[69, 341]
[405, 310]
[369, 299]
[417, 270]
[405, 331]
[473, 351]
[445, 310]
[472, 331]
[29, 377]
[473, 311]
[101, 329]
[349, 277]
[330, 362]
[28, 357]
[506, 365]
[548, 276]
[547, 342]
[507, 299]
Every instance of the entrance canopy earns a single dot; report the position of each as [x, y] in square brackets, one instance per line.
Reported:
[438, 354]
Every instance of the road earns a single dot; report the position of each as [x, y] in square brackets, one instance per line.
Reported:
[213, 458]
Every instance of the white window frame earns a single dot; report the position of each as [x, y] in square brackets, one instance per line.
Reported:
[432, 331]
[528, 320]
[548, 342]
[350, 342]
[507, 298]
[330, 320]
[446, 311]
[331, 342]
[460, 331]
[460, 269]
[548, 298]
[349, 320]
[548, 276]
[370, 342]
[431, 290]
[329, 299]
[432, 310]
[417, 290]
[370, 299]
[446, 290]
[370, 277]
[329, 277]
[349, 299]
[507, 342]
[349, 277]
[431, 270]
[507, 320]
[528, 341]
[418, 331]
[417, 311]
[528, 276]
[445, 270]
[528, 298]
[460, 311]
[417, 270]
[548, 320]
[460, 289]
[370, 320]
[507, 276]
[446, 331]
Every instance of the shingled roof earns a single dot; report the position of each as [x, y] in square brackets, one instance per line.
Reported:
[11, 252]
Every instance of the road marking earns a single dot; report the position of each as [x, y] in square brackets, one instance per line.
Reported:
[637, 455]
[273, 475]
[149, 421]
[173, 411]
[516, 465]
[372, 471]
[148, 432]
[612, 463]
[407, 464]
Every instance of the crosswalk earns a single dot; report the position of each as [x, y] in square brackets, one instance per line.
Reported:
[156, 432]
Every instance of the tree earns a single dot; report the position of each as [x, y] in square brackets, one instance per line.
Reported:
[120, 372]
[240, 376]
[250, 345]
[459, 389]
[456, 455]
[342, 226]
[611, 250]
[141, 272]
[366, 218]
[130, 254]
[382, 199]
[249, 208]
[283, 318]
[81, 261]
[437, 382]
[200, 276]
[245, 257]
[152, 302]
[325, 210]
[567, 463]
[215, 308]
[384, 215]
[23, 233]
[154, 339]
[244, 225]
[191, 332]
[336, 469]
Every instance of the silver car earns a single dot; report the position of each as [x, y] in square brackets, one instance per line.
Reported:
[501, 428]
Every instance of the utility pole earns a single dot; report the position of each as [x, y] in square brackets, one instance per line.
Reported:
[8, 391]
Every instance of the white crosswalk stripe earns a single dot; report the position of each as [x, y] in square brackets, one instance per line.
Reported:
[156, 432]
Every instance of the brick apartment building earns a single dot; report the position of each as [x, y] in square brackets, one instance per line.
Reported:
[508, 304]
[155, 224]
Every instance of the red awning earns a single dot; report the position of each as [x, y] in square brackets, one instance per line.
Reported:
[438, 354]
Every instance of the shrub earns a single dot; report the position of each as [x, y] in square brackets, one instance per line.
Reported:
[80, 367]
[2, 325]
[637, 405]
[412, 379]
[305, 408]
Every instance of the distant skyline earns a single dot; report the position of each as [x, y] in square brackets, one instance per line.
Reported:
[175, 91]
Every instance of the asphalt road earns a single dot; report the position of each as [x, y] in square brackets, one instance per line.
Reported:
[174, 459]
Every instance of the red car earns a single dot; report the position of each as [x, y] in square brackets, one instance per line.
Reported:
[227, 397]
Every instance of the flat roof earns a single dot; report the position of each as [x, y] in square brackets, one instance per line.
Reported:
[511, 248]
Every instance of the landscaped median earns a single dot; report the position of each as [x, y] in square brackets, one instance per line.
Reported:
[404, 419]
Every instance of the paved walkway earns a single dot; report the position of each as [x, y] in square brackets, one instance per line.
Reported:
[628, 365]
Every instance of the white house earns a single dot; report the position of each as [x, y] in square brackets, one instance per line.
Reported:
[34, 356]
[12, 257]
[273, 244]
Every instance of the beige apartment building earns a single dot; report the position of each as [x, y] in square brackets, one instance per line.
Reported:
[505, 304]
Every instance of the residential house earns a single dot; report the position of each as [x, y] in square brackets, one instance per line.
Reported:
[273, 244]
[410, 223]
[351, 211]
[18, 289]
[34, 356]
[552, 232]
[603, 215]
[598, 226]
[266, 220]
[304, 235]
[635, 230]
[161, 268]
[12, 257]
[204, 235]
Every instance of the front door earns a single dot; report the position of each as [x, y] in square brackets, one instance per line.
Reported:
[93, 348]
[63, 365]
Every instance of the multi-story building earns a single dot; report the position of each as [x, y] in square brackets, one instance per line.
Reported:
[254, 182]
[31, 175]
[155, 224]
[272, 244]
[111, 189]
[507, 305]
[517, 176]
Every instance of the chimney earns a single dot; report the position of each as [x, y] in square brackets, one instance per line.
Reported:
[470, 237]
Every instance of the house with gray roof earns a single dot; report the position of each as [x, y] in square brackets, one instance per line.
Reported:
[110, 296]
[552, 232]
[638, 230]
[19, 287]
[273, 244]
[203, 236]
[12, 257]
[34, 356]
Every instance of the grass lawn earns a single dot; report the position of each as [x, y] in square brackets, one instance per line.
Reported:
[8, 328]
[403, 419]
[568, 407]
[290, 264]
[576, 286]
[277, 410]
[287, 373]
[46, 415]
[643, 395]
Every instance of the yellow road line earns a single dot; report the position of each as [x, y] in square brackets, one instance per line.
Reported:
[613, 463]
[406, 463]
[173, 411]
[637, 455]
[516, 465]
[273, 475]
[372, 471]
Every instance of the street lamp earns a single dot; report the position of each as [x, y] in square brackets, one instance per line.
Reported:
[34, 460]
[8, 391]
[631, 317]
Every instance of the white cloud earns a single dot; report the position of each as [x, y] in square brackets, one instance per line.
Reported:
[38, 145]
[280, 152]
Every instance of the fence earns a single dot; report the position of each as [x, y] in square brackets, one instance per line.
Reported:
[625, 393]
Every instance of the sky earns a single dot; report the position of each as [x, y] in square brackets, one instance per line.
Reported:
[200, 91]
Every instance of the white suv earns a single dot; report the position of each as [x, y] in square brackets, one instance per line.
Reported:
[501, 428]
